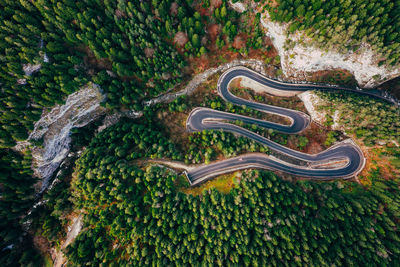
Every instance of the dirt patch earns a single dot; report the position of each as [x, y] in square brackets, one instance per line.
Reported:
[335, 77]
[273, 3]
[93, 63]
[174, 9]
[271, 50]
[119, 13]
[239, 41]
[213, 31]
[175, 122]
[314, 147]
[216, 3]
[260, 88]
[317, 137]
[149, 52]
[223, 183]
[41, 243]
[180, 38]
[376, 161]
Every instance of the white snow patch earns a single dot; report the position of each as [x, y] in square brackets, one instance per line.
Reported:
[300, 59]
[8, 247]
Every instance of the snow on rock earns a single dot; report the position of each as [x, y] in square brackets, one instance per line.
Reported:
[298, 60]
[54, 128]
[46, 58]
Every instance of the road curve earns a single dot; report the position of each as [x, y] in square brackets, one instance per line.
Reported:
[208, 119]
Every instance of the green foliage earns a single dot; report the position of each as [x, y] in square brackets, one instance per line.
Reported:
[17, 196]
[136, 216]
[132, 37]
[345, 24]
[82, 136]
[133, 40]
[178, 105]
[330, 138]
[25, 40]
[302, 142]
[263, 221]
[370, 119]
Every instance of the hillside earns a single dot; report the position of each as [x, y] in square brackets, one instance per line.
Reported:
[99, 141]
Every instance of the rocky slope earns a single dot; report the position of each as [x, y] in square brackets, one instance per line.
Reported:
[297, 60]
[53, 129]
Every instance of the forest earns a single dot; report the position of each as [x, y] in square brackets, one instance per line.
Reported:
[345, 25]
[17, 194]
[369, 119]
[129, 42]
[138, 213]
[262, 221]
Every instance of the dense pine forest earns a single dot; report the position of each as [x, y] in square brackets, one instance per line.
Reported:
[370, 119]
[262, 221]
[137, 211]
[17, 195]
[133, 40]
[345, 25]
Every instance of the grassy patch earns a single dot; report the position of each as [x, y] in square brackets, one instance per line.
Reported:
[223, 184]
[48, 262]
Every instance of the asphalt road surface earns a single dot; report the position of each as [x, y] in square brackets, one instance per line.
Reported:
[209, 119]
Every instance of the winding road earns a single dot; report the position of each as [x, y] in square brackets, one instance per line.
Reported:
[208, 119]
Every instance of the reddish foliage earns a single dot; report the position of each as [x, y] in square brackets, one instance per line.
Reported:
[204, 11]
[213, 31]
[174, 9]
[180, 38]
[215, 3]
[239, 41]
[92, 62]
